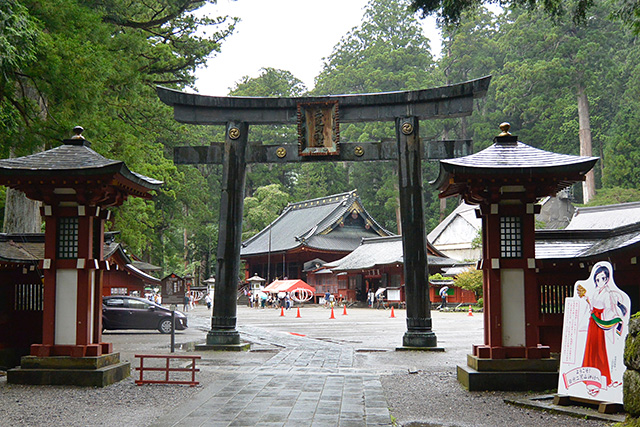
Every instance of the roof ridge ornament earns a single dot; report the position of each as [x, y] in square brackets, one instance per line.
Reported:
[505, 137]
[78, 132]
[77, 138]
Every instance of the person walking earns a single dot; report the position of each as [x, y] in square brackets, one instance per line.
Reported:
[443, 295]
[185, 302]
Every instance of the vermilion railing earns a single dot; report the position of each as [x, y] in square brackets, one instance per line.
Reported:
[167, 369]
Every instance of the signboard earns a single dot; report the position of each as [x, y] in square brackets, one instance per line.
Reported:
[393, 294]
[318, 130]
[172, 289]
[596, 323]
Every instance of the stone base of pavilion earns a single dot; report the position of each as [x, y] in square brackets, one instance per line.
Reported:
[96, 371]
[223, 347]
[513, 374]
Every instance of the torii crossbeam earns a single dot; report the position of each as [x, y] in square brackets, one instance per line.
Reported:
[318, 120]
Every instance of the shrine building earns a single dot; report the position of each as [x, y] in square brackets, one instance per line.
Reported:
[327, 228]
[377, 263]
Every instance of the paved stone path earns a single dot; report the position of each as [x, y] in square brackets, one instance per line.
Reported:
[308, 382]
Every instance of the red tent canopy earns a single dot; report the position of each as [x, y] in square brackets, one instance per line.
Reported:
[287, 286]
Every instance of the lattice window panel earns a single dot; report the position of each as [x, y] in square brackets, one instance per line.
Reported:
[510, 237]
[67, 238]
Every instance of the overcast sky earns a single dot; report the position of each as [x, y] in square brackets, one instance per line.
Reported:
[292, 35]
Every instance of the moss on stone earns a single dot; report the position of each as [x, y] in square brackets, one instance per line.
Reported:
[632, 352]
[631, 392]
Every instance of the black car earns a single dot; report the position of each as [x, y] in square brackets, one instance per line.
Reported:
[122, 312]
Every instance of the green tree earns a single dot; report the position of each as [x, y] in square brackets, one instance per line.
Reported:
[615, 195]
[470, 280]
[554, 87]
[386, 52]
[622, 151]
[271, 82]
[263, 208]
[96, 64]
[451, 11]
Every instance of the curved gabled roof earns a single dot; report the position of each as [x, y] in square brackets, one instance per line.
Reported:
[378, 252]
[315, 224]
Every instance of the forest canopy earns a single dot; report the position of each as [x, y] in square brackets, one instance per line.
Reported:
[451, 11]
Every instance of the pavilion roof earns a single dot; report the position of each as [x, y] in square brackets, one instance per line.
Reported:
[74, 160]
[315, 224]
[509, 160]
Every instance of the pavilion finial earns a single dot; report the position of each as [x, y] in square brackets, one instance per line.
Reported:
[504, 127]
[78, 132]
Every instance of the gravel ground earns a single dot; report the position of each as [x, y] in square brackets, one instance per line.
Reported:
[120, 404]
[427, 399]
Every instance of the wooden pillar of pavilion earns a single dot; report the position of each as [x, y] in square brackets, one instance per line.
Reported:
[506, 180]
[75, 184]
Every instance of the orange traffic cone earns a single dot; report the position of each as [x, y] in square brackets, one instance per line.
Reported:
[281, 311]
[392, 313]
[298, 315]
[344, 312]
[332, 315]
[470, 312]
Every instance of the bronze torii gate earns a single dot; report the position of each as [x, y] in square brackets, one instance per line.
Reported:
[318, 121]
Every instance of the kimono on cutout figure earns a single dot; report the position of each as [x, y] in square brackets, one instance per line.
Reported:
[607, 314]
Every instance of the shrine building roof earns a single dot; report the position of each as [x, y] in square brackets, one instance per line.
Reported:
[28, 248]
[586, 244]
[335, 223]
[380, 251]
[605, 217]
[593, 232]
[507, 162]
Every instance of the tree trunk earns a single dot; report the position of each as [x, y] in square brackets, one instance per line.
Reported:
[584, 133]
[21, 215]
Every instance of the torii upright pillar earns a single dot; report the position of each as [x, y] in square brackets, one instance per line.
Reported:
[416, 269]
[223, 333]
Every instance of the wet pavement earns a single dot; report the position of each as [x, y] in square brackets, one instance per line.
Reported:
[315, 370]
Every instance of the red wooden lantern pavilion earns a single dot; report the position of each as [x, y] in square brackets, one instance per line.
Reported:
[75, 184]
[506, 180]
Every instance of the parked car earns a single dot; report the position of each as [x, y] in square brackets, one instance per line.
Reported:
[123, 312]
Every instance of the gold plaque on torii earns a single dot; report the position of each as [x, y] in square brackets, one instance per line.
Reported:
[318, 129]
